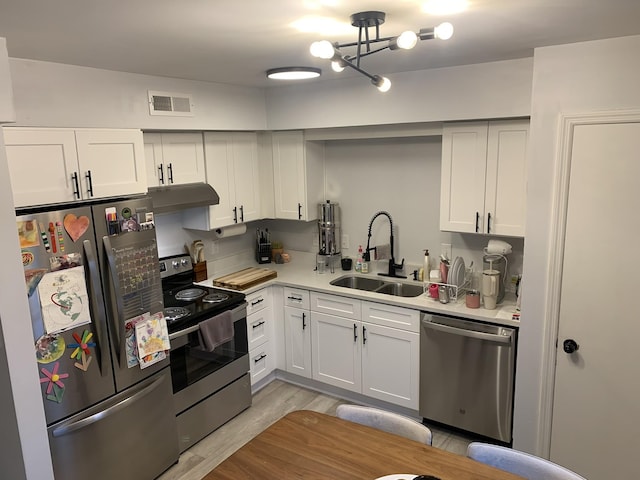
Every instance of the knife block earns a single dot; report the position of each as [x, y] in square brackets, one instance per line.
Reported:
[200, 272]
[263, 252]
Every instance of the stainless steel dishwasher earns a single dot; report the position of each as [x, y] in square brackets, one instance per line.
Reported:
[467, 374]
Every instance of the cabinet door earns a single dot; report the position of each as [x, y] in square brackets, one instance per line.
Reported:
[464, 153]
[154, 163]
[42, 163]
[390, 365]
[506, 177]
[111, 162]
[259, 327]
[297, 333]
[183, 157]
[289, 175]
[245, 175]
[261, 362]
[218, 149]
[336, 351]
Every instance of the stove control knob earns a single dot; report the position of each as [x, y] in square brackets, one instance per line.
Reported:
[184, 262]
[175, 264]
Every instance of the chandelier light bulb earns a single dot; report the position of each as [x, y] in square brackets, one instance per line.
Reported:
[383, 83]
[322, 49]
[337, 66]
[444, 31]
[407, 40]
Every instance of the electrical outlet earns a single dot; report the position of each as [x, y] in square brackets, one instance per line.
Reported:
[345, 241]
[445, 249]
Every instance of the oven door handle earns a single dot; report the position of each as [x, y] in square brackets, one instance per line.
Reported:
[182, 333]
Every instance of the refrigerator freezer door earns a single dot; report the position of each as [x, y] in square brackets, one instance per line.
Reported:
[133, 426]
[77, 355]
[131, 279]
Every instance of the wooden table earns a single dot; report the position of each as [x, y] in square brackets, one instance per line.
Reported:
[312, 445]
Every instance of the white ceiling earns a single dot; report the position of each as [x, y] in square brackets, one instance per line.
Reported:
[236, 41]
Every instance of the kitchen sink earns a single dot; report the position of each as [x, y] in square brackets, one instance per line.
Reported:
[359, 283]
[401, 289]
[397, 289]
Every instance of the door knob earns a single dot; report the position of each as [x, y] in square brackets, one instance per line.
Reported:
[570, 345]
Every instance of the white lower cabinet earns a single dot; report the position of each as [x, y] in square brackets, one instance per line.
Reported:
[260, 334]
[297, 332]
[355, 348]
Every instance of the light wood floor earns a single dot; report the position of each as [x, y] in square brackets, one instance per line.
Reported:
[270, 404]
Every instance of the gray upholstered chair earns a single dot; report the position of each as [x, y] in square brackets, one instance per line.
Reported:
[386, 421]
[519, 463]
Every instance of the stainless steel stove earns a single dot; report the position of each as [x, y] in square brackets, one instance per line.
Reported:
[209, 387]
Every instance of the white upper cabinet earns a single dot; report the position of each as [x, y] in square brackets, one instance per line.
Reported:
[7, 112]
[174, 158]
[483, 177]
[61, 165]
[231, 160]
[298, 176]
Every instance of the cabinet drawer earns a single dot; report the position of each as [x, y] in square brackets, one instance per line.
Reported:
[336, 305]
[258, 300]
[295, 297]
[259, 327]
[391, 316]
[261, 360]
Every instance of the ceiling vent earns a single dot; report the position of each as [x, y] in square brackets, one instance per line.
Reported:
[171, 104]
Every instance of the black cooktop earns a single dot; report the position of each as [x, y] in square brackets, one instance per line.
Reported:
[200, 308]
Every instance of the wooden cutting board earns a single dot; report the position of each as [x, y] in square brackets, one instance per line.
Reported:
[245, 278]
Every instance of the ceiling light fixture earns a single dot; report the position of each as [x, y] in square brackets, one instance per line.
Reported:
[293, 73]
[373, 19]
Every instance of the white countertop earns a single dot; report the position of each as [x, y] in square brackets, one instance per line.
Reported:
[300, 273]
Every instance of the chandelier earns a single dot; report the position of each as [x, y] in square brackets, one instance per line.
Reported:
[368, 44]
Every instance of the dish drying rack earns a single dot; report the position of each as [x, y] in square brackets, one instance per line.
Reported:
[455, 291]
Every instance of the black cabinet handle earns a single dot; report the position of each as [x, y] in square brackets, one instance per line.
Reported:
[161, 174]
[355, 333]
[241, 213]
[364, 334]
[304, 324]
[89, 183]
[235, 214]
[488, 222]
[170, 170]
[256, 360]
[477, 221]
[257, 324]
[76, 187]
[299, 211]
[260, 300]
[297, 299]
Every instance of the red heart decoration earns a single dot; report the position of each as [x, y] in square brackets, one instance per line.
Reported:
[76, 226]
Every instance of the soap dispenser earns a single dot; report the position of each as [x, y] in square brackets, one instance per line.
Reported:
[426, 268]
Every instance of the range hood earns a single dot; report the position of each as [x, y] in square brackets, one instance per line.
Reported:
[171, 198]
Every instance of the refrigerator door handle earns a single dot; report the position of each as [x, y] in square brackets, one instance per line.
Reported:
[96, 294]
[117, 323]
[490, 337]
[96, 417]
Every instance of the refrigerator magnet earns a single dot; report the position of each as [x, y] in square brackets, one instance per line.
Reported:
[81, 350]
[85, 360]
[28, 233]
[55, 385]
[49, 348]
[76, 226]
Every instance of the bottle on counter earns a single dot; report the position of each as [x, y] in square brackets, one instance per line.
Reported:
[359, 260]
[425, 268]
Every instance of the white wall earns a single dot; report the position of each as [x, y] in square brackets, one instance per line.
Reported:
[487, 90]
[578, 78]
[7, 112]
[56, 95]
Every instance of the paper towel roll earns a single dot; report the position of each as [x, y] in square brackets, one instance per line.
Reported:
[231, 230]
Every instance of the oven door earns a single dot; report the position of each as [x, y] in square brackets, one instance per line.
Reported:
[195, 373]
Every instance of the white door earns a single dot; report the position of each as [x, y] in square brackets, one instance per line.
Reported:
[43, 164]
[289, 175]
[297, 333]
[111, 162]
[336, 351]
[464, 158]
[156, 174]
[596, 412]
[245, 175]
[219, 160]
[390, 365]
[183, 157]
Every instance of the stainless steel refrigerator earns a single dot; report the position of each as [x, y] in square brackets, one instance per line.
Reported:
[92, 276]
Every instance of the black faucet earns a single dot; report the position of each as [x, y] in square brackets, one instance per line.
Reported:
[393, 266]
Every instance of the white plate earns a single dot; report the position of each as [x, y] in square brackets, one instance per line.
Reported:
[457, 278]
[399, 476]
